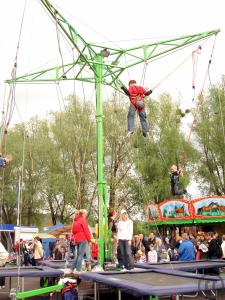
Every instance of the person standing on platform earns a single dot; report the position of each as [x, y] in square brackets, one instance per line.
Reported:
[38, 251]
[124, 235]
[3, 258]
[113, 229]
[82, 237]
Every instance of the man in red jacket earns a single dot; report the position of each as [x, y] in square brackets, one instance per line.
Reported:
[136, 94]
[82, 237]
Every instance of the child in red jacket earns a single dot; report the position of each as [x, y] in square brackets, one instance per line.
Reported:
[136, 94]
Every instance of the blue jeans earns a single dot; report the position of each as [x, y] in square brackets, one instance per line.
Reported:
[131, 118]
[81, 249]
[125, 251]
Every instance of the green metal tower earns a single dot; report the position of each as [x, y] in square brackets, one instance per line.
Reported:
[102, 65]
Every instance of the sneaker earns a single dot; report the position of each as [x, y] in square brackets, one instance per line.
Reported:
[2, 287]
[129, 134]
[145, 135]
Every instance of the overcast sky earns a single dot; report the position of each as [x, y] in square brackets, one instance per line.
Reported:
[126, 23]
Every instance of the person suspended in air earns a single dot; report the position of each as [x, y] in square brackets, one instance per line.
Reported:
[5, 160]
[174, 179]
[136, 94]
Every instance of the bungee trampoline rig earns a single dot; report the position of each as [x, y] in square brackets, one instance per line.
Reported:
[101, 65]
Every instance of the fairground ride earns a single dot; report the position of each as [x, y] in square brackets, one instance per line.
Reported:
[102, 65]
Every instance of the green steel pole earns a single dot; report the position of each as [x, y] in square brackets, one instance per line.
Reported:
[101, 183]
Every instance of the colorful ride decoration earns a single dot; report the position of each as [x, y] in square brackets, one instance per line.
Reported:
[177, 211]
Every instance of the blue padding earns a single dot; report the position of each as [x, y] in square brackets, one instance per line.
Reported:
[30, 272]
[175, 283]
[57, 264]
[185, 266]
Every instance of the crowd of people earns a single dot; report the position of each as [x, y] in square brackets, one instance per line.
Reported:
[126, 249]
[184, 247]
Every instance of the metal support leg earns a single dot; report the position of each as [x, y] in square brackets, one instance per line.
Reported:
[119, 295]
[22, 282]
[95, 290]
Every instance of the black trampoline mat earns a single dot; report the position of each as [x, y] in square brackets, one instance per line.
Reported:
[155, 279]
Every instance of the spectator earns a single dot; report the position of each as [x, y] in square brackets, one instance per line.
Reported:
[214, 248]
[140, 256]
[202, 248]
[152, 255]
[186, 250]
[178, 241]
[158, 248]
[94, 248]
[60, 255]
[3, 258]
[112, 227]
[38, 252]
[214, 251]
[164, 255]
[223, 246]
[147, 242]
[175, 255]
[136, 244]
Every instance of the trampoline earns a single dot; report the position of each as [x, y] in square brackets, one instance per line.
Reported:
[156, 282]
[190, 266]
[29, 273]
[39, 271]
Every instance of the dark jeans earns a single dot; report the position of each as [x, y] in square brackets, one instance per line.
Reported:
[176, 191]
[125, 251]
[2, 280]
[81, 250]
[131, 119]
[37, 262]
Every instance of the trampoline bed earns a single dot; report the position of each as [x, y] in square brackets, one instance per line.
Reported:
[39, 271]
[185, 266]
[57, 264]
[156, 282]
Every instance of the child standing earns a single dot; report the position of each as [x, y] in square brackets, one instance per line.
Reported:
[152, 255]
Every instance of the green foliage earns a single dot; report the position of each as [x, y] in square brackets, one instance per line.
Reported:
[166, 147]
[57, 159]
[210, 133]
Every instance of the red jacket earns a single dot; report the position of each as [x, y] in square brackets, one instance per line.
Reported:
[135, 91]
[81, 231]
[94, 251]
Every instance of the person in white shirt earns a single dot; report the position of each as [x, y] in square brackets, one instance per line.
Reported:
[223, 246]
[152, 255]
[3, 258]
[38, 251]
[124, 235]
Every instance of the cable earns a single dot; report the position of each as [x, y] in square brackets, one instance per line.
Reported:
[199, 103]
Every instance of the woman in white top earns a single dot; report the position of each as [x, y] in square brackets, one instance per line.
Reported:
[223, 246]
[124, 235]
[3, 258]
[38, 251]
